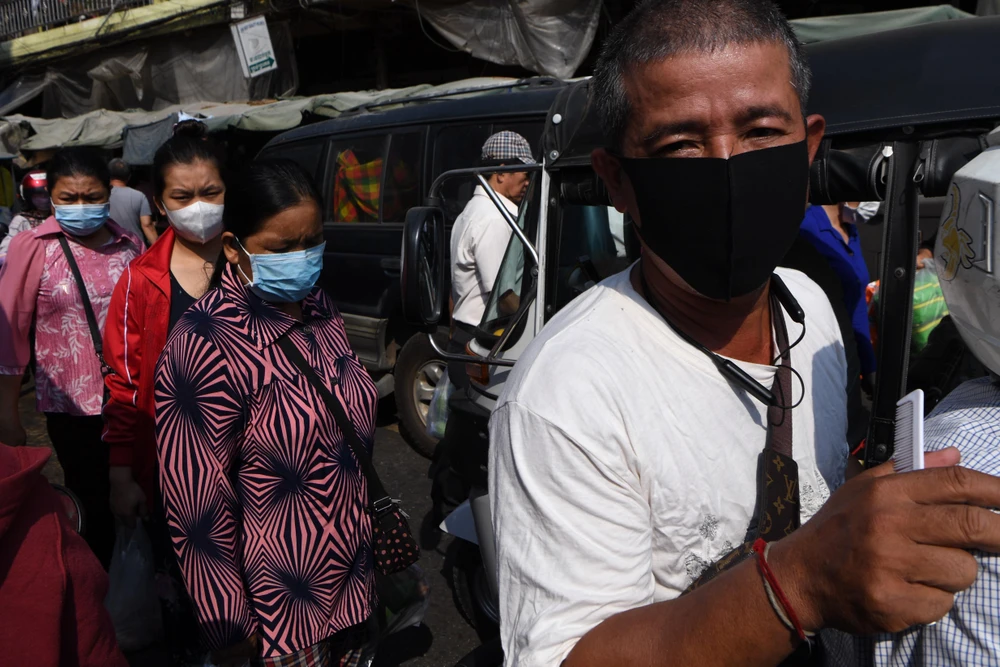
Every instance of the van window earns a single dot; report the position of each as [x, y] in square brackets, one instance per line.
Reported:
[356, 178]
[458, 147]
[402, 180]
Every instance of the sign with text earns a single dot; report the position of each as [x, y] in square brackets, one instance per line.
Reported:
[253, 44]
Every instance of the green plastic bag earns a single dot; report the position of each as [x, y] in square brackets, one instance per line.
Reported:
[929, 307]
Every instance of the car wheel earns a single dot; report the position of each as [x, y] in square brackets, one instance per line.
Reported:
[418, 371]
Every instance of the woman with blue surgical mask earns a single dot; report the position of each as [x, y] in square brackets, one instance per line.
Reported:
[55, 288]
[264, 497]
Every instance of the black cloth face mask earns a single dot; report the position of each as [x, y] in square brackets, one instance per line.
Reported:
[722, 225]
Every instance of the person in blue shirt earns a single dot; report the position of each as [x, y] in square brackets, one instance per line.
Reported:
[833, 231]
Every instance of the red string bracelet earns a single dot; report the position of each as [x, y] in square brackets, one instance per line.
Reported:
[859, 447]
[785, 612]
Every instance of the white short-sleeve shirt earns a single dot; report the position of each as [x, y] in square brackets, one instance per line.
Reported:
[622, 463]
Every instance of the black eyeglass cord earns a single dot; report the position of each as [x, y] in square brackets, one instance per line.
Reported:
[730, 370]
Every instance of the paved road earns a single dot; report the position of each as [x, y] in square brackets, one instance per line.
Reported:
[444, 636]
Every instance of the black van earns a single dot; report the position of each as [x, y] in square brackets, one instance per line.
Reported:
[372, 166]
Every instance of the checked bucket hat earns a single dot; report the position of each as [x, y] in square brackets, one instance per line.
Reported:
[507, 146]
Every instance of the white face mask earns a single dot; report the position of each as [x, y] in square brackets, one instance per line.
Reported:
[199, 223]
[868, 209]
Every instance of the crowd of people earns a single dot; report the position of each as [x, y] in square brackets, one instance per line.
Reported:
[170, 400]
[671, 469]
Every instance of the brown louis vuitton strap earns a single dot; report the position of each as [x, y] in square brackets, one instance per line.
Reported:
[777, 510]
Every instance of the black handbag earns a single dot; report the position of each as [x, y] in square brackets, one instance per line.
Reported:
[392, 542]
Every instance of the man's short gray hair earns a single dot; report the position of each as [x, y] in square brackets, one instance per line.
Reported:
[658, 29]
[120, 171]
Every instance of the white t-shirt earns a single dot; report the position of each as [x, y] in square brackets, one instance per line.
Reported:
[622, 463]
[478, 241]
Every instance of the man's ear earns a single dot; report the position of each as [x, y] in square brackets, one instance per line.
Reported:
[609, 169]
[159, 206]
[815, 128]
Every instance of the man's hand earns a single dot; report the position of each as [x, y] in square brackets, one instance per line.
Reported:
[127, 498]
[888, 551]
[508, 303]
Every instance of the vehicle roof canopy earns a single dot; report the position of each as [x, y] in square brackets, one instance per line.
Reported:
[938, 73]
[927, 80]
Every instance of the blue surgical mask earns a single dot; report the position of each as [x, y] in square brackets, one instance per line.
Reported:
[284, 277]
[81, 219]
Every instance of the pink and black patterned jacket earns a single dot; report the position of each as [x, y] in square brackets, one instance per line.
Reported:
[264, 499]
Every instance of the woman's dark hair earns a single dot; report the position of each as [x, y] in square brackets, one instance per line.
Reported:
[262, 191]
[189, 144]
[77, 161]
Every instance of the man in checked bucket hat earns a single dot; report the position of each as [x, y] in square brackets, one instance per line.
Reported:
[480, 236]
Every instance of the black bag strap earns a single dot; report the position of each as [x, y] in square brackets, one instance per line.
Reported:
[779, 419]
[777, 471]
[378, 499]
[95, 330]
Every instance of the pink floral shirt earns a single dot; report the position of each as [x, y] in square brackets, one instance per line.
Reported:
[37, 289]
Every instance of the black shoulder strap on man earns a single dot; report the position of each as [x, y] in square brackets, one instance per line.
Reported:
[777, 512]
[95, 330]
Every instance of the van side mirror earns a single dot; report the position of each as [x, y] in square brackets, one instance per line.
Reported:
[423, 267]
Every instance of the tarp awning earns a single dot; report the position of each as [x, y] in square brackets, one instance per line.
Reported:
[825, 28]
[153, 74]
[139, 132]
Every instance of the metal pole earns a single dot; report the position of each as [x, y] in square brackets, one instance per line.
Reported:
[507, 216]
[895, 312]
[542, 235]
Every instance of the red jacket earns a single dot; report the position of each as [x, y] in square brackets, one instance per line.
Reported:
[134, 336]
[52, 588]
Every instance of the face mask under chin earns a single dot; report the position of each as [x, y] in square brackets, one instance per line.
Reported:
[703, 216]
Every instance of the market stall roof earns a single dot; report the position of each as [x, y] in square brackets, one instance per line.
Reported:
[115, 129]
[825, 28]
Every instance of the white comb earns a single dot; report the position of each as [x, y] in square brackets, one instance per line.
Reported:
[908, 452]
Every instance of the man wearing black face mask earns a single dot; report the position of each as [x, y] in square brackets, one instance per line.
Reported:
[682, 419]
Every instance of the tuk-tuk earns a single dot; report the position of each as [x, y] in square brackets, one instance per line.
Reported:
[905, 110]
